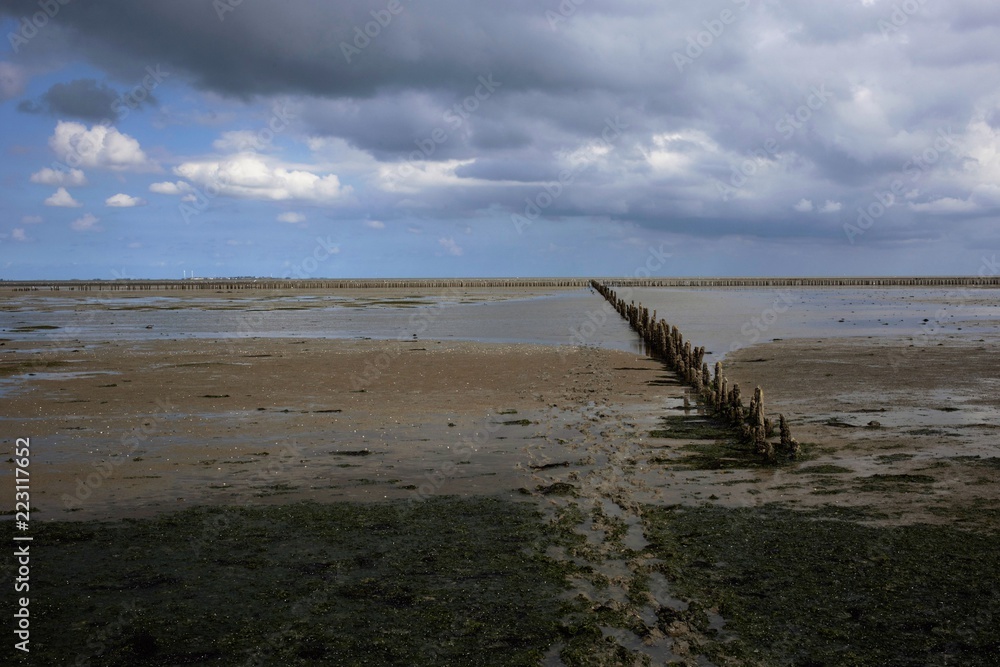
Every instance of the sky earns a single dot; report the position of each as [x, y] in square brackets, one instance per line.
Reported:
[419, 138]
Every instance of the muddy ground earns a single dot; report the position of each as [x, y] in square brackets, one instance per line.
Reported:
[644, 532]
[905, 424]
[127, 429]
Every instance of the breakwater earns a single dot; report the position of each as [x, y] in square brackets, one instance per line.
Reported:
[494, 283]
[666, 343]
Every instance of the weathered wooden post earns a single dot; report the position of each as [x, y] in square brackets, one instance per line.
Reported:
[737, 404]
[687, 363]
[759, 428]
[717, 385]
[789, 444]
[724, 395]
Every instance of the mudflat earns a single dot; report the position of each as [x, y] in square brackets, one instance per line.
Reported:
[306, 500]
[129, 429]
[907, 425]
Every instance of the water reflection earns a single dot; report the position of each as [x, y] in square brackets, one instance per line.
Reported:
[719, 319]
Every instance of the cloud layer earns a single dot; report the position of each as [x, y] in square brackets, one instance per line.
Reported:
[825, 123]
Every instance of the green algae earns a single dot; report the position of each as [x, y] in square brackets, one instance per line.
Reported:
[822, 469]
[812, 588]
[446, 581]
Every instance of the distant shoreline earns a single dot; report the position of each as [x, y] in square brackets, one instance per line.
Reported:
[487, 283]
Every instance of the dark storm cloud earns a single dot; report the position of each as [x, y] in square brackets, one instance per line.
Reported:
[84, 99]
[307, 47]
[425, 58]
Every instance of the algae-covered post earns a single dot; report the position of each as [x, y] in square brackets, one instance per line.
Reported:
[687, 362]
[737, 404]
[717, 386]
[789, 444]
[759, 426]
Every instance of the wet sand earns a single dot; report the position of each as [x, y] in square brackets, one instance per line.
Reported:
[129, 429]
[882, 409]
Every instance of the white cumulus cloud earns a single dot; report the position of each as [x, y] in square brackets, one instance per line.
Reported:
[100, 147]
[374, 224]
[18, 234]
[251, 176]
[168, 188]
[63, 199]
[121, 200]
[47, 176]
[804, 206]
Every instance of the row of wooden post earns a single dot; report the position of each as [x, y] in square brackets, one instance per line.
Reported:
[290, 284]
[668, 344]
[256, 283]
